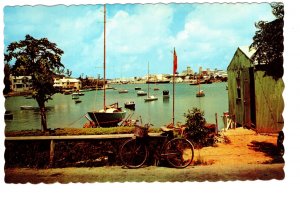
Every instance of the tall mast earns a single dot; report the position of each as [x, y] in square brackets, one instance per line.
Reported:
[148, 80]
[104, 61]
[174, 71]
[198, 79]
[199, 76]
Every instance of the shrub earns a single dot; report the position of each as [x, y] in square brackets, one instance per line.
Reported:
[200, 133]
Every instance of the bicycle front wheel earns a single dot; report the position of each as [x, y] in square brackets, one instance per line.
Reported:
[179, 152]
[133, 153]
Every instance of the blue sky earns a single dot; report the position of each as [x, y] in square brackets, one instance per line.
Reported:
[204, 35]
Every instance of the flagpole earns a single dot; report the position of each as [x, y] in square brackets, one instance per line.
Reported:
[173, 117]
[174, 71]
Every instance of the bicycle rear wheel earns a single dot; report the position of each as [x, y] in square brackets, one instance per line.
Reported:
[133, 153]
[179, 152]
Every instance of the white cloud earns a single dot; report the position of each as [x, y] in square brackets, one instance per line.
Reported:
[212, 31]
[208, 34]
[141, 31]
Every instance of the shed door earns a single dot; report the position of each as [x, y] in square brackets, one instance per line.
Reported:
[246, 99]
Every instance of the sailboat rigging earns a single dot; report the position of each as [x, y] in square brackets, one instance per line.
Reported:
[150, 98]
[109, 115]
[200, 92]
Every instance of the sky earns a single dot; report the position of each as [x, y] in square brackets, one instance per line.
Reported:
[205, 35]
[239, 29]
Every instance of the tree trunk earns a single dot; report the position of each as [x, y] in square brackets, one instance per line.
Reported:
[43, 116]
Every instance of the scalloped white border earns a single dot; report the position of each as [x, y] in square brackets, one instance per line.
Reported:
[288, 186]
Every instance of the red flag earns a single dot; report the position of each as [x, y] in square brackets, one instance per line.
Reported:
[174, 62]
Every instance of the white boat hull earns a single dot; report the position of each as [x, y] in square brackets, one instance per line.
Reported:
[151, 98]
[107, 119]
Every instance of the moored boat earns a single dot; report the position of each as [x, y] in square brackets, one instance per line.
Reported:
[75, 96]
[26, 107]
[137, 88]
[141, 93]
[30, 107]
[123, 91]
[151, 98]
[129, 105]
[200, 93]
[85, 90]
[158, 81]
[8, 115]
[166, 94]
[108, 117]
[77, 93]
[111, 115]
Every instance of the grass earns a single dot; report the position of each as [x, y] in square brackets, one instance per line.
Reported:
[76, 131]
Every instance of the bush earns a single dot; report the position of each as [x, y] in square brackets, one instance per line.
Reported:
[200, 133]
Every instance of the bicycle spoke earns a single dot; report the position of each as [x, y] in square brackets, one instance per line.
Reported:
[133, 154]
[179, 153]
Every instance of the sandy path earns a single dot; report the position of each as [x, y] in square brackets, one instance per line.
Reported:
[248, 156]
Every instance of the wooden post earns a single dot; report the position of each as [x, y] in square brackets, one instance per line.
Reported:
[216, 128]
[234, 122]
[52, 146]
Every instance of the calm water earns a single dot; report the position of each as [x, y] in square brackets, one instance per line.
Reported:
[65, 113]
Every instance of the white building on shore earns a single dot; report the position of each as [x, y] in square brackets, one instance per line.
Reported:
[20, 83]
[67, 83]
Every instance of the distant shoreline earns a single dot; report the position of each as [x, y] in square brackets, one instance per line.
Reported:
[26, 93]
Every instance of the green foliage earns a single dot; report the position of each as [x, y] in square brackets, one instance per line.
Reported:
[196, 130]
[268, 41]
[6, 80]
[39, 59]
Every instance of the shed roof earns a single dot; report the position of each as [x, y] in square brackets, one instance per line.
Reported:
[248, 52]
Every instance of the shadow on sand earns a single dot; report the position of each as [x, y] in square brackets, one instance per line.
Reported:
[269, 149]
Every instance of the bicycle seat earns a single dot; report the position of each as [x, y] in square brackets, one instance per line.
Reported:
[166, 129]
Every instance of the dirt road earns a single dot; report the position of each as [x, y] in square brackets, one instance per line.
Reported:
[148, 174]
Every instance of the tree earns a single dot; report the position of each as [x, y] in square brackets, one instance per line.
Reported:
[196, 129]
[40, 59]
[6, 80]
[68, 73]
[268, 41]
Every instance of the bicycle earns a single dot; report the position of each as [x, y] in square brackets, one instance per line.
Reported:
[177, 151]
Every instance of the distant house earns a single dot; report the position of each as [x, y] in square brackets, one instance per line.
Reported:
[67, 83]
[20, 83]
[255, 100]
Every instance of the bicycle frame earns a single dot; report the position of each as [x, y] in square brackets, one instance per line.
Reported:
[178, 152]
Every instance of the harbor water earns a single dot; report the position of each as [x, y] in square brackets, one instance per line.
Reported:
[63, 112]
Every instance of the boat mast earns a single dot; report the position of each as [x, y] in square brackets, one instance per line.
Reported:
[174, 71]
[200, 73]
[148, 80]
[104, 61]
[198, 80]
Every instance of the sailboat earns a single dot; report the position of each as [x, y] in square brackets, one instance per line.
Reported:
[110, 115]
[150, 98]
[200, 92]
[123, 91]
